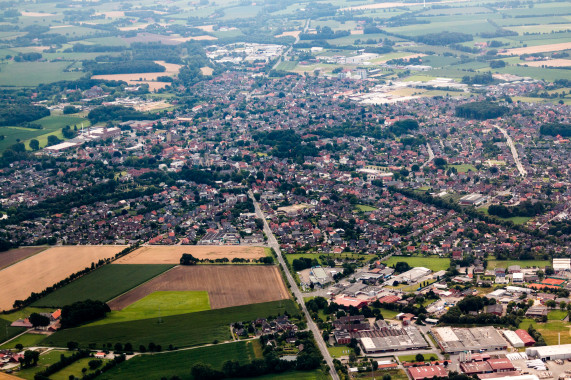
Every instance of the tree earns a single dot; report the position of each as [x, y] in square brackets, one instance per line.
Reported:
[402, 266]
[549, 271]
[551, 304]
[53, 140]
[72, 346]
[439, 161]
[419, 358]
[188, 259]
[34, 144]
[38, 320]
[69, 110]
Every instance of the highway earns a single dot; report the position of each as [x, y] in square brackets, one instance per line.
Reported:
[510, 142]
[273, 243]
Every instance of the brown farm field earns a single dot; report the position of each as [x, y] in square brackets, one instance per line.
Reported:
[47, 268]
[538, 49]
[142, 78]
[14, 255]
[227, 285]
[171, 254]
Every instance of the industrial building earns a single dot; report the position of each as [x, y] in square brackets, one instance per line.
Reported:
[475, 339]
[427, 372]
[550, 352]
[562, 264]
[385, 337]
[474, 199]
[318, 276]
[513, 338]
[412, 275]
[525, 337]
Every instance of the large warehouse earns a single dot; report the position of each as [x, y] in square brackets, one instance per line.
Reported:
[455, 340]
[513, 338]
[550, 352]
[390, 338]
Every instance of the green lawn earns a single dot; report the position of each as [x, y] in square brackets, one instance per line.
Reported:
[524, 264]
[338, 351]
[159, 304]
[513, 219]
[168, 364]
[412, 358]
[433, 263]
[46, 360]
[464, 168]
[389, 314]
[103, 284]
[294, 375]
[287, 65]
[556, 315]
[179, 330]
[26, 340]
[550, 330]
[74, 369]
[365, 208]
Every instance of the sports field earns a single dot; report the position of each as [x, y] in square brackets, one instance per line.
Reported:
[522, 263]
[184, 330]
[47, 268]
[168, 364]
[433, 263]
[103, 284]
[165, 254]
[158, 305]
[227, 285]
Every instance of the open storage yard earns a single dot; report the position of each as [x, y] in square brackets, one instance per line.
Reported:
[227, 285]
[47, 268]
[171, 254]
[14, 255]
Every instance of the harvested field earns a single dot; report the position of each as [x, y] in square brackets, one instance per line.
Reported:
[550, 63]
[227, 285]
[537, 49]
[14, 255]
[145, 78]
[46, 268]
[171, 254]
[153, 106]
[293, 33]
[206, 70]
[373, 6]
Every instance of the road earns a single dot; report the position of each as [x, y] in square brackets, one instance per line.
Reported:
[288, 50]
[510, 142]
[430, 155]
[273, 243]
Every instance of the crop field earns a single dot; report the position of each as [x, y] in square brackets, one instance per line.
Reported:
[148, 78]
[30, 74]
[227, 285]
[14, 255]
[433, 263]
[159, 304]
[7, 332]
[102, 284]
[165, 254]
[26, 340]
[538, 49]
[46, 268]
[184, 330]
[168, 364]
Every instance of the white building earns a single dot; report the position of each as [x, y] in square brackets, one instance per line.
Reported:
[513, 338]
[562, 264]
[550, 352]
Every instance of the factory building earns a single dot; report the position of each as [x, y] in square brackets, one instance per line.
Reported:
[513, 338]
[384, 337]
[550, 352]
[475, 339]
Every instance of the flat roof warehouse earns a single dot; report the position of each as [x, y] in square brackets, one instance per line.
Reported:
[456, 340]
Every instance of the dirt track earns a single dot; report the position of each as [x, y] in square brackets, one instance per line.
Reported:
[47, 268]
[171, 254]
[227, 285]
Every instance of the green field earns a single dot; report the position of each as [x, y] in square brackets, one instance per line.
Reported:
[26, 340]
[103, 284]
[550, 330]
[463, 168]
[294, 375]
[287, 65]
[74, 369]
[433, 263]
[179, 363]
[159, 304]
[524, 264]
[179, 330]
[513, 219]
[46, 360]
[556, 315]
[365, 208]
[30, 74]
[7, 332]
[52, 126]
[412, 358]
[338, 351]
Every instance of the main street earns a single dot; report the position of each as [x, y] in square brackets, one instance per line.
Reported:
[515, 155]
[273, 243]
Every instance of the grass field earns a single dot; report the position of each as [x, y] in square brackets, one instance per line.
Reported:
[294, 375]
[412, 358]
[524, 264]
[464, 168]
[179, 330]
[30, 74]
[433, 263]
[556, 315]
[103, 284]
[513, 219]
[26, 340]
[159, 304]
[550, 330]
[287, 65]
[74, 369]
[338, 351]
[7, 332]
[365, 208]
[46, 360]
[168, 364]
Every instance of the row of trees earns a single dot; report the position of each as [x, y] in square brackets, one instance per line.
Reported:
[527, 208]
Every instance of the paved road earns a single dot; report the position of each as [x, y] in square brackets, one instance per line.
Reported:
[430, 155]
[288, 50]
[510, 142]
[272, 241]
